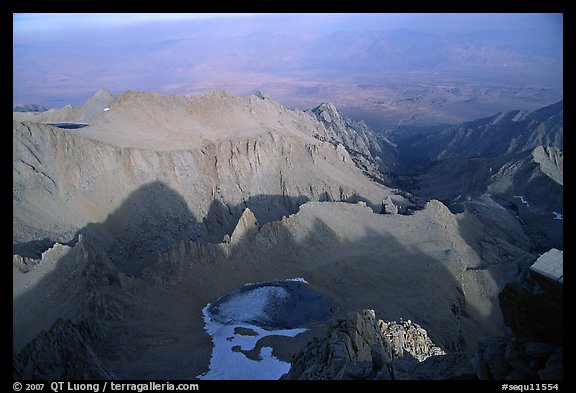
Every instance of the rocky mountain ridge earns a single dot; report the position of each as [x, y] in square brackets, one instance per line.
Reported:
[370, 151]
[29, 108]
[513, 158]
[271, 170]
[84, 113]
[499, 135]
[164, 203]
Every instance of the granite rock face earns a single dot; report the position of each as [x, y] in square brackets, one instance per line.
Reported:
[362, 347]
[372, 152]
[355, 135]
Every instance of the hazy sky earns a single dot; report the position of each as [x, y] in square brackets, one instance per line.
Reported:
[65, 58]
[47, 24]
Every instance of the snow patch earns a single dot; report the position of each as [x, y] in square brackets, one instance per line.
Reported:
[558, 216]
[106, 109]
[457, 198]
[299, 279]
[521, 197]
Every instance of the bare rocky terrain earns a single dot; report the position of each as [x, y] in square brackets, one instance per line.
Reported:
[513, 159]
[126, 229]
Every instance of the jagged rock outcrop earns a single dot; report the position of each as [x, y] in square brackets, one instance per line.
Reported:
[353, 134]
[361, 347]
[388, 206]
[60, 304]
[373, 153]
[246, 225]
[73, 283]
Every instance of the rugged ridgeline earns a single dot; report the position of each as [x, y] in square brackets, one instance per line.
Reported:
[375, 154]
[163, 204]
[187, 165]
[499, 135]
[29, 108]
[84, 113]
[514, 160]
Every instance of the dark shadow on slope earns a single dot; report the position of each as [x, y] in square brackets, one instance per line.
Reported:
[64, 289]
[401, 282]
[151, 219]
[509, 179]
[59, 324]
[222, 218]
[32, 249]
[154, 217]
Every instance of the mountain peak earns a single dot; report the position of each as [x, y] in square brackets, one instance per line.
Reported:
[102, 96]
[103, 92]
[261, 95]
[95, 106]
[328, 106]
[327, 112]
[246, 224]
[216, 92]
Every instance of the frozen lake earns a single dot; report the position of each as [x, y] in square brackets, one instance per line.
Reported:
[239, 319]
[69, 126]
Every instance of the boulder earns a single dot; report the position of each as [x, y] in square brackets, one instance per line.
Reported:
[388, 207]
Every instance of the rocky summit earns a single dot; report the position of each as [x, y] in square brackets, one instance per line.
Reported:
[128, 229]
